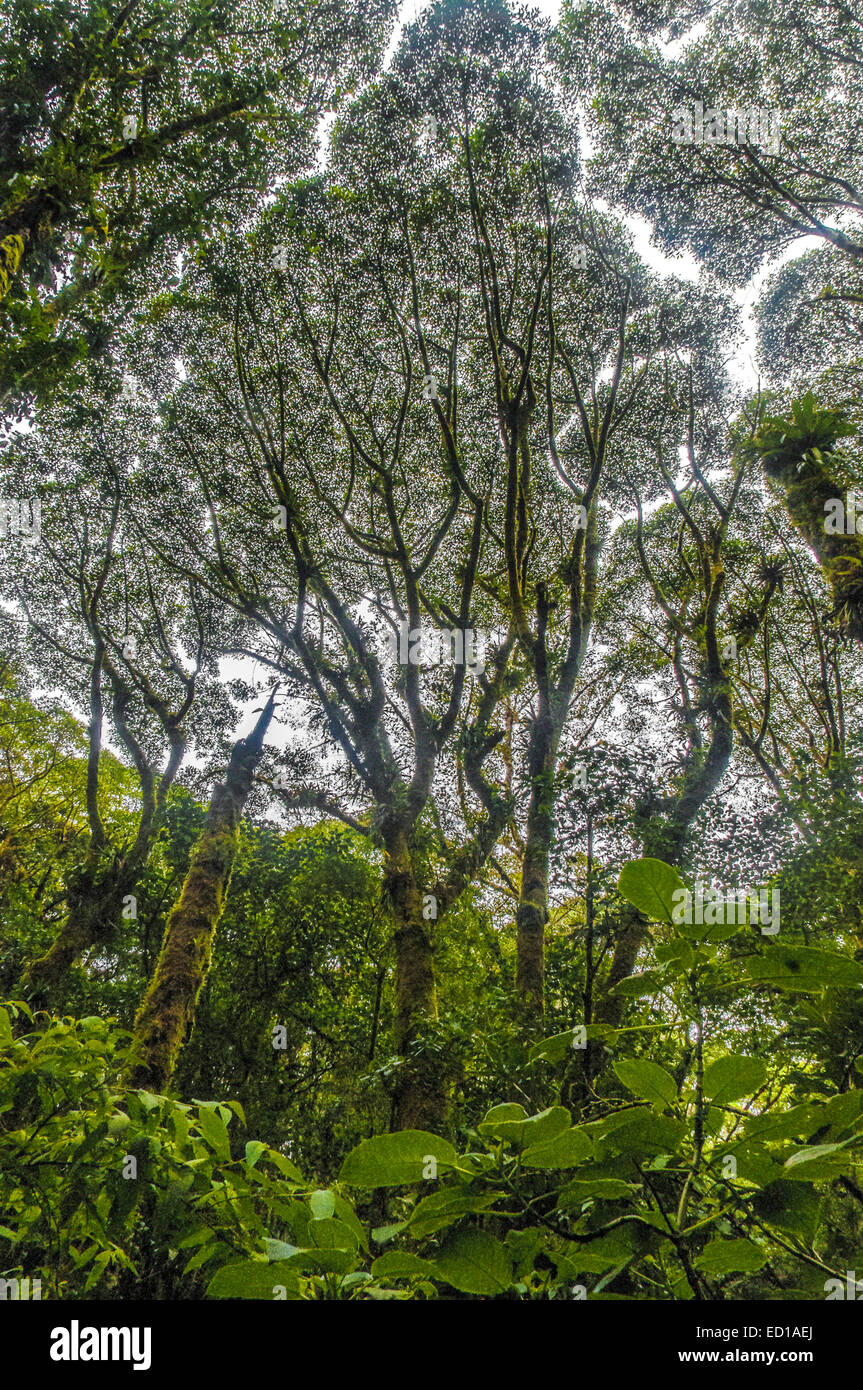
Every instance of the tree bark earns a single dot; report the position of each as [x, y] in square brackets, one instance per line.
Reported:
[421, 1092]
[808, 485]
[95, 900]
[532, 911]
[168, 1007]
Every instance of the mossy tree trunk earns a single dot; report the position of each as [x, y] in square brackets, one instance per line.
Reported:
[809, 484]
[168, 1007]
[421, 1098]
[532, 910]
[96, 898]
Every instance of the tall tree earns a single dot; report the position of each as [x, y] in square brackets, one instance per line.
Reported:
[99, 625]
[130, 129]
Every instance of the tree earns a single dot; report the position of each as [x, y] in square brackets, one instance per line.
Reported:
[93, 605]
[676, 139]
[128, 132]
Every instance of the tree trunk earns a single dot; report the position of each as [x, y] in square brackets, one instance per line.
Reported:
[808, 486]
[96, 900]
[532, 911]
[421, 1091]
[168, 1007]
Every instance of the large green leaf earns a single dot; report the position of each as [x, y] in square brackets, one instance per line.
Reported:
[647, 1080]
[797, 1123]
[326, 1233]
[345, 1212]
[565, 1150]
[643, 1131]
[633, 986]
[580, 1190]
[507, 1113]
[733, 1076]
[253, 1279]
[650, 885]
[446, 1206]
[555, 1048]
[790, 1206]
[322, 1203]
[394, 1160]
[334, 1261]
[215, 1132]
[399, 1264]
[474, 1262]
[841, 1112]
[804, 968]
[534, 1130]
[817, 1163]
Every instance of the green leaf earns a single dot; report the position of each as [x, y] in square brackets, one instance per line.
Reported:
[818, 1162]
[650, 885]
[254, 1149]
[253, 1279]
[322, 1203]
[280, 1250]
[399, 1264]
[442, 1208]
[381, 1234]
[474, 1262]
[606, 1189]
[214, 1130]
[731, 1257]
[647, 1080]
[534, 1130]
[345, 1212]
[790, 1206]
[643, 1131]
[647, 982]
[563, 1151]
[332, 1261]
[733, 1076]
[498, 1113]
[394, 1160]
[804, 968]
[325, 1233]
[98, 1269]
[555, 1048]
[285, 1165]
[797, 1123]
[841, 1112]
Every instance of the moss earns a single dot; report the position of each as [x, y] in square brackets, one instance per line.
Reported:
[168, 1007]
[95, 899]
[809, 482]
[11, 255]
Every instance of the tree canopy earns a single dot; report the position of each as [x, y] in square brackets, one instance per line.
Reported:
[431, 830]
